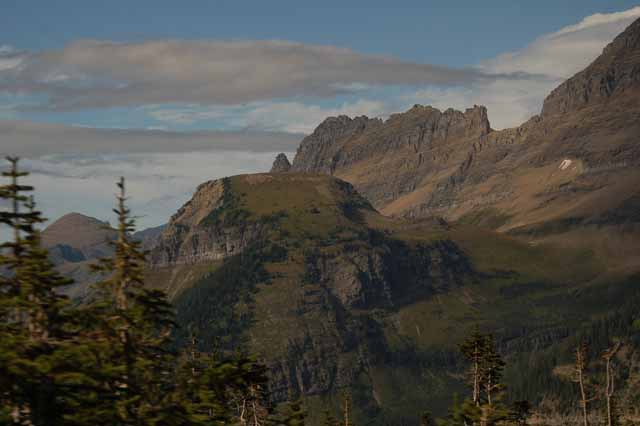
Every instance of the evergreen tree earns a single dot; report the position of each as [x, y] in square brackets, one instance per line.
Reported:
[40, 348]
[485, 406]
[204, 385]
[462, 414]
[330, 420]
[426, 419]
[13, 336]
[135, 325]
[520, 412]
[293, 414]
[474, 349]
[491, 368]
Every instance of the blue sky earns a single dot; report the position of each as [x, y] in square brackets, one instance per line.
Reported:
[172, 93]
[455, 33]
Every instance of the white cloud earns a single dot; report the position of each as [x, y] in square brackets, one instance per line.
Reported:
[296, 117]
[509, 103]
[33, 140]
[7, 112]
[291, 117]
[601, 19]
[566, 51]
[188, 114]
[104, 74]
[10, 58]
[532, 71]
[236, 82]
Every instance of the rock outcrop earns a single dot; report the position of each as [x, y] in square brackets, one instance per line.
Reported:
[195, 234]
[281, 164]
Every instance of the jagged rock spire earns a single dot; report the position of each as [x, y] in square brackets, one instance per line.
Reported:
[281, 164]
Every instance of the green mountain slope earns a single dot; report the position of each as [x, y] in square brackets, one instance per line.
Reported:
[302, 271]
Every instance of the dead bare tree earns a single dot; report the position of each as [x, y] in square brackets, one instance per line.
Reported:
[610, 381]
[346, 409]
[580, 379]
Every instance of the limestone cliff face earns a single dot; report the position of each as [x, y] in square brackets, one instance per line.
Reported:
[193, 235]
[317, 151]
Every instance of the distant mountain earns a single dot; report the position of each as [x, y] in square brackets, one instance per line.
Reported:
[75, 241]
[567, 176]
[75, 238]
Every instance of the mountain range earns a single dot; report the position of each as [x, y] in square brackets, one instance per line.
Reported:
[363, 263]
[567, 175]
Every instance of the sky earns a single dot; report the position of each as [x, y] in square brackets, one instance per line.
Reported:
[171, 94]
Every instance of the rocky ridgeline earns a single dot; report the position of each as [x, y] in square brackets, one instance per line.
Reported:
[339, 142]
[450, 163]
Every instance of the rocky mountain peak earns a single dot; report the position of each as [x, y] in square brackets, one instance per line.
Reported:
[614, 72]
[475, 119]
[333, 127]
[281, 164]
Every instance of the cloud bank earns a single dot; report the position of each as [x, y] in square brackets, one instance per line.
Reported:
[275, 85]
[28, 139]
[98, 74]
[290, 117]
